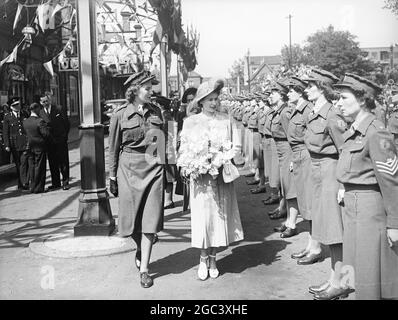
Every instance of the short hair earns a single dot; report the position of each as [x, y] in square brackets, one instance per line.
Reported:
[188, 92]
[34, 105]
[368, 98]
[131, 92]
[327, 89]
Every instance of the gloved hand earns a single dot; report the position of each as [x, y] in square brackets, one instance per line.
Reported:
[113, 187]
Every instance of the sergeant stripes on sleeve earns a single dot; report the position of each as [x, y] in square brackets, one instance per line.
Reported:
[389, 167]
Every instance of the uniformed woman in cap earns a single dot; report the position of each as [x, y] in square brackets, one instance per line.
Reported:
[301, 161]
[136, 173]
[279, 123]
[368, 170]
[324, 136]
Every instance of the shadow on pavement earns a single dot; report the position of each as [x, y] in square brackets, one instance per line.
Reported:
[175, 263]
[251, 255]
[33, 228]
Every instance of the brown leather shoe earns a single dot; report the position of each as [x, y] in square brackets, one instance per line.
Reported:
[289, 232]
[332, 293]
[278, 215]
[259, 190]
[310, 258]
[281, 228]
[271, 200]
[319, 288]
[249, 175]
[299, 255]
[146, 280]
[252, 182]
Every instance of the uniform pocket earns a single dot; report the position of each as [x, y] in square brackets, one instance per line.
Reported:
[299, 128]
[317, 128]
[356, 158]
[132, 129]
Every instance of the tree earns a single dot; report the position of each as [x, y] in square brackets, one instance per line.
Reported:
[392, 5]
[236, 70]
[298, 55]
[337, 52]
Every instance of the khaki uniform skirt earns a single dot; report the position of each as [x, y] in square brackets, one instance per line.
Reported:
[249, 147]
[285, 155]
[327, 224]
[302, 179]
[366, 248]
[258, 159]
[271, 162]
[141, 186]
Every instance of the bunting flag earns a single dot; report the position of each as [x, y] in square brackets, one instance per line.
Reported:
[17, 16]
[44, 14]
[57, 8]
[157, 37]
[11, 58]
[49, 67]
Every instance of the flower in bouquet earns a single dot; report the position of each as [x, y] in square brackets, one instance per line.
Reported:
[203, 154]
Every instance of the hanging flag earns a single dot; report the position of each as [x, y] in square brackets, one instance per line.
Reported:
[57, 8]
[49, 67]
[71, 18]
[157, 37]
[11, 58]
[45, 19]
[17, 16]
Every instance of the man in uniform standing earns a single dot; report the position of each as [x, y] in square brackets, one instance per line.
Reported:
[15, 141]
[37, 133]
[58, 156]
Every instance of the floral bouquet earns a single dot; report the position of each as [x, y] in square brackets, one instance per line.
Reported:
[202, 153]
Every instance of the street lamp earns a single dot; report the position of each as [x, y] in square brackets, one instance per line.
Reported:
[248, 68]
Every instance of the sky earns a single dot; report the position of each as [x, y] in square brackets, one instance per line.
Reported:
[228, 28]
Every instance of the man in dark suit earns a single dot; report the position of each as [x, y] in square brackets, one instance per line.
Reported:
[57, 151]
[37, 132]
[15, 141]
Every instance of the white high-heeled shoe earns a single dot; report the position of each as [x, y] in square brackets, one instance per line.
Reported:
[203, 270]
[214, 273]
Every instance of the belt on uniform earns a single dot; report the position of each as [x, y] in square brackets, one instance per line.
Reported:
[134, 150]
[279, 139]
[298, 147]
[324, 156]
[267, 136]
[361, 187]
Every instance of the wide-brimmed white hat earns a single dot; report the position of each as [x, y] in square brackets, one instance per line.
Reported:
[207, 88]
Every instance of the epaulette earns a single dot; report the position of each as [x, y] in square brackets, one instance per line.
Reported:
[123, 106]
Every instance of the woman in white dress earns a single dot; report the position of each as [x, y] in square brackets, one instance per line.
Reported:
[215, 219]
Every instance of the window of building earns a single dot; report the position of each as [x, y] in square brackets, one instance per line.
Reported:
[384, 55]
[54, 88]
[73, 96]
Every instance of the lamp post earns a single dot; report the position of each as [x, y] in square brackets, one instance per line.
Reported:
[290, 40]
[248, 68]
[94, 213]
[163, 66]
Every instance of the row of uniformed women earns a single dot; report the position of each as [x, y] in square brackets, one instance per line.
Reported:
[365, 222]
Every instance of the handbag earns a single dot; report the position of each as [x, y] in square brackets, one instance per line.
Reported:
[230, 172]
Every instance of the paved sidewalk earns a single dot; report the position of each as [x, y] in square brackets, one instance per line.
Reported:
[259, 267]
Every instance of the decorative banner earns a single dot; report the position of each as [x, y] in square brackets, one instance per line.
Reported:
[49, 67]
[17, 16]
[57, 8]
[44, 12]
[11, 58]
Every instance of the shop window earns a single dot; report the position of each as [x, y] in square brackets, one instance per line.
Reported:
[73, 96]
